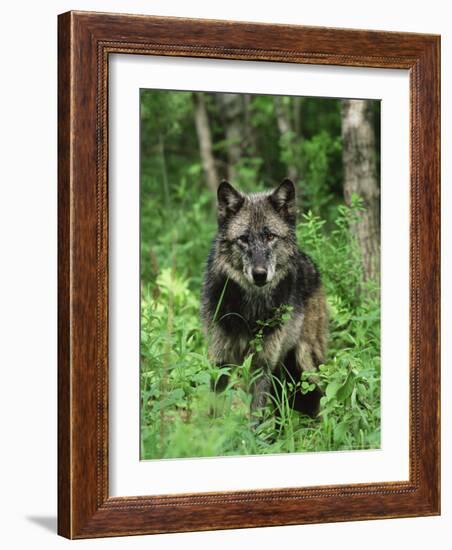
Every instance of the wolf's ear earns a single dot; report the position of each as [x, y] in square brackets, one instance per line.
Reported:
[229, 201]
[284, 201]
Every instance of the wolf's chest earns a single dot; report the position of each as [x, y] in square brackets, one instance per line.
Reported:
[248, 316]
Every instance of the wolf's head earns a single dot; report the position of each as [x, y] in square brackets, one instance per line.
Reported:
[256, 236]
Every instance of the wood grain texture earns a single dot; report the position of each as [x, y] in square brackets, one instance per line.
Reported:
[85, 42]
[64, 294]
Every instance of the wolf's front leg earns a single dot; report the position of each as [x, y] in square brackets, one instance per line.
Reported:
[260, 391]
[224, 352]
[220, 382]
[264, 363]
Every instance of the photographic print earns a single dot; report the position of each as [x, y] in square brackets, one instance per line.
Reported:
[260, 271]
[219, 252]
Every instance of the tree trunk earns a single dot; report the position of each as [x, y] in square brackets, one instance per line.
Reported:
[296, 109]
[360, 177]
[286, 130]
[205, 142]
[232, 106]
[249, 132]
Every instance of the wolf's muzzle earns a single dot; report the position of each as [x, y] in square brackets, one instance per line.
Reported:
[260, 276]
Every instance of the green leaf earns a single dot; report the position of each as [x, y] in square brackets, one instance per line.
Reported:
[339, 432]
[353, 398]
[346, 389]
[332, 388]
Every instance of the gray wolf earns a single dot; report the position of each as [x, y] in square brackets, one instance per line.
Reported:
[254, 272]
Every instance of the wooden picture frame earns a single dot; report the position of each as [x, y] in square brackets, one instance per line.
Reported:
[85, 42]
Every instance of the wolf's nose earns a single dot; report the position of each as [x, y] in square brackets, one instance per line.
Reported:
[260, 276]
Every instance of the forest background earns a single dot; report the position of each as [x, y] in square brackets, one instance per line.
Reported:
[330, 149]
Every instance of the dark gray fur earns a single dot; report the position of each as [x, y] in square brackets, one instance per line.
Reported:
[255, 262]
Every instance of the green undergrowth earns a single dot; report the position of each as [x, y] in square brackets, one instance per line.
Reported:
[182, 417]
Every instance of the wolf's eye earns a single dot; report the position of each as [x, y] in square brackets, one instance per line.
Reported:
[271, 237]
[243, 239]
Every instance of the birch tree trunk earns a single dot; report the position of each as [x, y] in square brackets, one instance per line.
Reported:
[232, 107]
[205, 142]
[286, 130]
[249, 132]
[360, 177]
